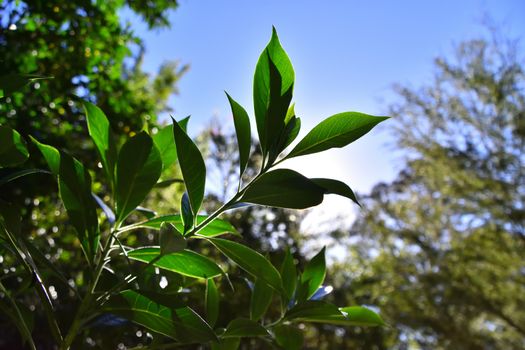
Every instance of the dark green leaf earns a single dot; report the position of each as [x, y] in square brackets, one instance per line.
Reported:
[10, 83]
[185, 262]
[187, 215]
[272, 92]
[74, 184]
[243, 327]
[243, 131]
[336, 131]
[171, 240]
[289, 275]
[284, 188]
[250, 261]
[167, 183]
[292, 130]
[215, 228]
[165, 143]
[100, 131]
[20, 173]
[313, 276]
[336, 187]
[51, 155]
[261, 298]
[15, 312]
[226, 344]
[289, 337]
[181, 324]
[13, 150]
[192, 167]
[212, 302]
[138, 169]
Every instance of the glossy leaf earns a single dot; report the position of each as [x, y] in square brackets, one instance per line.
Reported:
[102, 136]
[261, 298]
[272, 92]
[181, 324]
[284, 188]
[105, 208]
[215, 228]
[289, 337]
[312, 276]
[250, 261]
[336, 131]
[138, 169]
[10, 83]
[185, 262]
[212, 302]
[187, 215]
[74, 184]
[336, 187]
[321, 312]
[289, 275]
[51, 155]
[13, 150]
[243, 327]
[20, 173]
[192, 167]
[165, 143]
[322, 292]
[171, 240]
[243, 132]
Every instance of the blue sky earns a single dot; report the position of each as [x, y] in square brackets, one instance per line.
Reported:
[346, 55]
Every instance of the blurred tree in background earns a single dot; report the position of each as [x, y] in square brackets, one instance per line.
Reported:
[441, 250]
[89, 52]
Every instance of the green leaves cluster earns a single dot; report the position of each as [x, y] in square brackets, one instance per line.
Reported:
[133, 170]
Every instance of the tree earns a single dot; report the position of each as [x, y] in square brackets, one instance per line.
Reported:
[441, 249]
[89, 53]
[164, 289]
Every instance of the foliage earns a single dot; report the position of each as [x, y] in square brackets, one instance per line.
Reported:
[119, 283]
[441, 249]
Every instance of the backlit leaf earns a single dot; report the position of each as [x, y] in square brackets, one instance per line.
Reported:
[243, 132]
[13, 150]
[336, 187]
[243, 327]
[212, 302]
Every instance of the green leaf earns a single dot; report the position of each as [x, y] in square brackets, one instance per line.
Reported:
[292, 130]
[20, 173]
[187, 215]
[138, 169]
[250, 261]
[284, 188]
[360, 316]
[243, 131]
[185, 262]
[51, 155]
[12, 147]
[165, 143]
[182, 324]
[336, 131]
[215, 228]
[336, 187]
[212, 302]
[288, 275]
[313, 276]
[171, 240]
[243, 327]
[322, 312]
[226, 344]
[313, 311]
[100, 132]
[261, 298]
[74, 184]
[10, 83]
[289, 337]
[272, 92]
[192, 167]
